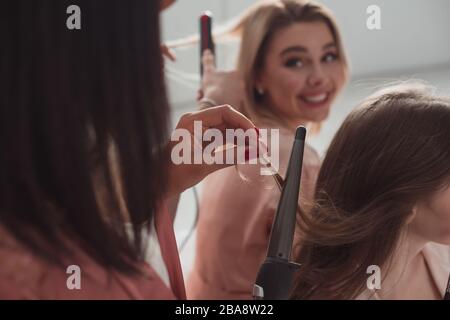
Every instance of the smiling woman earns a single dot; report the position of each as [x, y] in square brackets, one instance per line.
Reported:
[292, 66]
[301, 75]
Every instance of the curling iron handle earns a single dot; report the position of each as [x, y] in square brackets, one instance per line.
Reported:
[275, 279]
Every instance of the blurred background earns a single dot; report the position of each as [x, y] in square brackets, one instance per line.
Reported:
[413, 43]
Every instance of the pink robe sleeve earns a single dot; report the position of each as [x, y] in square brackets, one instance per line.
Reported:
[23, 275]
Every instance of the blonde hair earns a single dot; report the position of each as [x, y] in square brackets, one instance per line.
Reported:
[260, 24]
[256, 27]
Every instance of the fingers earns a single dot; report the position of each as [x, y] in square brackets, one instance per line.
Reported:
[223, 116]
[199, 94]
[248, 154]
[168, 53]
[230, 116]
[209, 65]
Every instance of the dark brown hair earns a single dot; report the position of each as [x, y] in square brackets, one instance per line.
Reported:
[83, 114]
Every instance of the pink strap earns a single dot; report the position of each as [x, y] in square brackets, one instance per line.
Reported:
[169, 251]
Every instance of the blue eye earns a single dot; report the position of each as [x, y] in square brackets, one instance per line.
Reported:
[330, 57]
[294, 63]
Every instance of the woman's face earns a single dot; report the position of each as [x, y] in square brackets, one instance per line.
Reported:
[302, 73]
[432, 219]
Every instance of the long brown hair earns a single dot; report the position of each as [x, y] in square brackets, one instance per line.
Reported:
[390, 152]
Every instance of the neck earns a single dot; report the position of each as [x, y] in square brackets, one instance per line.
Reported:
[282, 120]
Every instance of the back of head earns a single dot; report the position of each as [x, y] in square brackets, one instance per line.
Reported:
[69, 99]
[390, 152]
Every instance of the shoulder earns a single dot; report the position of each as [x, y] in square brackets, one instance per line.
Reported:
[20, 271]
[312, 154]
[25, 275]
[311, 159]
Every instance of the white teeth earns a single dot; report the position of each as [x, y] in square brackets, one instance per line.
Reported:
[316, 99]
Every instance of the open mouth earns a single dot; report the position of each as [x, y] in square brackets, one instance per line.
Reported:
[315, 99]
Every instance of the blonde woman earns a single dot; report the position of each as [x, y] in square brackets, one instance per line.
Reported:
[382, 201]
[291, 68]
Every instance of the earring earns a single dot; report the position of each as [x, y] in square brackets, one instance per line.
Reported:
[260, 91]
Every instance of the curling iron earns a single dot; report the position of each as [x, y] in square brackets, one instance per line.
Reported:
[206, 39]
[276, 274]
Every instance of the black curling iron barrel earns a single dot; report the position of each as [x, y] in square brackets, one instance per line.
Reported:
[206, 38]
[276, 274]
